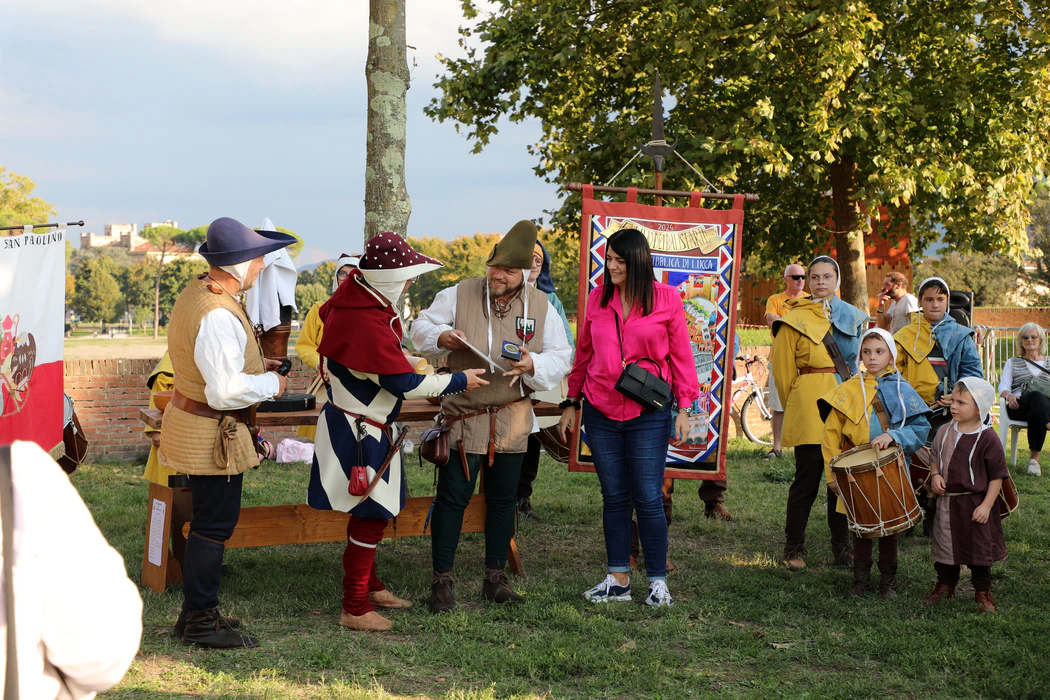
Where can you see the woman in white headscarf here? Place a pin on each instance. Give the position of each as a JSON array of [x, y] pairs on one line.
[[310, 336], [804, 371]]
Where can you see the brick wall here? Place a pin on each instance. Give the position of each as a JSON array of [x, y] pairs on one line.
[[1011, 316], [108, 395]]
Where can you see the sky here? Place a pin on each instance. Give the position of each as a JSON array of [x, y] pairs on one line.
[[146, 110]]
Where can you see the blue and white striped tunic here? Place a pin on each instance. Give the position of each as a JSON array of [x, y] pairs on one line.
[[378, 398]]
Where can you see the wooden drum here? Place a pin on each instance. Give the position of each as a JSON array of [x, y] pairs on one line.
[[876, 490]]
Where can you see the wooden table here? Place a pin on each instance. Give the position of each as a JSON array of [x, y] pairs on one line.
[[169, 509]]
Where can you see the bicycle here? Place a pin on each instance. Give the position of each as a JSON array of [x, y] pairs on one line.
[[755, 415]]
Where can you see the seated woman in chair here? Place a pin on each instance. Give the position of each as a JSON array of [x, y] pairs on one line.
[[1030, 406]]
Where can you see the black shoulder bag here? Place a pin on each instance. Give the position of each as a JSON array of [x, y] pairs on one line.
[[639, 384]]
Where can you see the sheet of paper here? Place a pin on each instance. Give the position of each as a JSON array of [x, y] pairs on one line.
[[493, 364], [156, 531]]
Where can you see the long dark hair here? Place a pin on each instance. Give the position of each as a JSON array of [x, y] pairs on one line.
[[631, 245]]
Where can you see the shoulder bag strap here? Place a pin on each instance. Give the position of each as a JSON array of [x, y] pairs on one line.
[[619, 337], [1038, 366], [7, 511], [880, 410], [836, 356]]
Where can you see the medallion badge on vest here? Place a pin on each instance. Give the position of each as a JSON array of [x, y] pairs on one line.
[[526, 328]]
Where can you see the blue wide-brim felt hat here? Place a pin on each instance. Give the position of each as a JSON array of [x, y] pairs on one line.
[[231, 242]]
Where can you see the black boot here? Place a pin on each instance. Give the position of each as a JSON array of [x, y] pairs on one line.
[[861, 568], [442, 592], [180, 624], [861, 579], [208, 630], [497, 587], [888, 547], [841, 539]]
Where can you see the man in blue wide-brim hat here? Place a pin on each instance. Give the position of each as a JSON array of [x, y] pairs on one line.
[[220, 374]]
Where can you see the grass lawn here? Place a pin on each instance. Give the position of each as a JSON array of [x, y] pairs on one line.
[[742, 625]]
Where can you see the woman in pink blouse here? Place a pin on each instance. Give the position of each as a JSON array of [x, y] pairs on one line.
[[629, 443]]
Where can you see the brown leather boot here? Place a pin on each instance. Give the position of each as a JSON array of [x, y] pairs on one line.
[[861, 579], [794, 556], [888, 548], [442, 593], [986, 600], [719, 511], [209, 630], [497, 587], [389, 601], [180, 624], [940, 590], [371, 621]]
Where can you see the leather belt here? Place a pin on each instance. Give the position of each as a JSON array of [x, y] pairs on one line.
[[492, 411], [817, 370], [196, 408], [365, 419]]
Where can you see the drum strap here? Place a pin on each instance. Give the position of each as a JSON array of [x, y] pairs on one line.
[[836, 356], [880, 412]]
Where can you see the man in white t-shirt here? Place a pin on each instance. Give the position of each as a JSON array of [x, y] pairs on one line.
[[895, 291]]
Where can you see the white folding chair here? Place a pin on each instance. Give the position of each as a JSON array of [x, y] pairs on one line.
[[1011, 427]]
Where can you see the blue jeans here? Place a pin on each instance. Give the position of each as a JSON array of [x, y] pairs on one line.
[[629, 457]]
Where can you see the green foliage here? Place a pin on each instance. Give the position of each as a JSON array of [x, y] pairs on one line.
[[97, 296], [323, 275], [935, 110], [306, 295], [464, 258], [17, 205], [992, 278], [138, 282]]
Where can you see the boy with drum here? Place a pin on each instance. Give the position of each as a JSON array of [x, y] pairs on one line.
[[876, 407]]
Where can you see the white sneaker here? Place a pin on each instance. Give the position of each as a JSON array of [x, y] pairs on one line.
[[659, 596], [1033, 467], [609, 590]]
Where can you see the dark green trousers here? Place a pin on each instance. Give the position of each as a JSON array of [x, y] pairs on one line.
[[453, 496]]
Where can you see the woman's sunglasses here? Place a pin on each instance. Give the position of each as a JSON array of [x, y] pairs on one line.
[[1029, 337]]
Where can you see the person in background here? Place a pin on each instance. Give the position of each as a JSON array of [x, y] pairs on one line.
[[902, 303], [1032, 407], [310, 336], [77, 617], [631, 318], [219, 374], [490, 426], [794, 288], [804, 371], [161, 379], [539, 277]]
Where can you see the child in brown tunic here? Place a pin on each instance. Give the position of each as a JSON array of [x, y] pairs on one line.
[[968, 468]]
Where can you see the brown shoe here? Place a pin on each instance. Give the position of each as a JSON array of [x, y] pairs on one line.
[[207, 629], [371, 621], [940, 590], [442, 593], [497, 587], [386, 599], [986, 600], [719, 511], [671, 567], [794, 557]]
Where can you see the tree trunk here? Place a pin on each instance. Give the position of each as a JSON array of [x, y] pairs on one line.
[[387, 206], [850, 229], [156, 299]]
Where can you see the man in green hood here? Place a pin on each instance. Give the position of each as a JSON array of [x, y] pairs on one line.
[[490, 426]]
